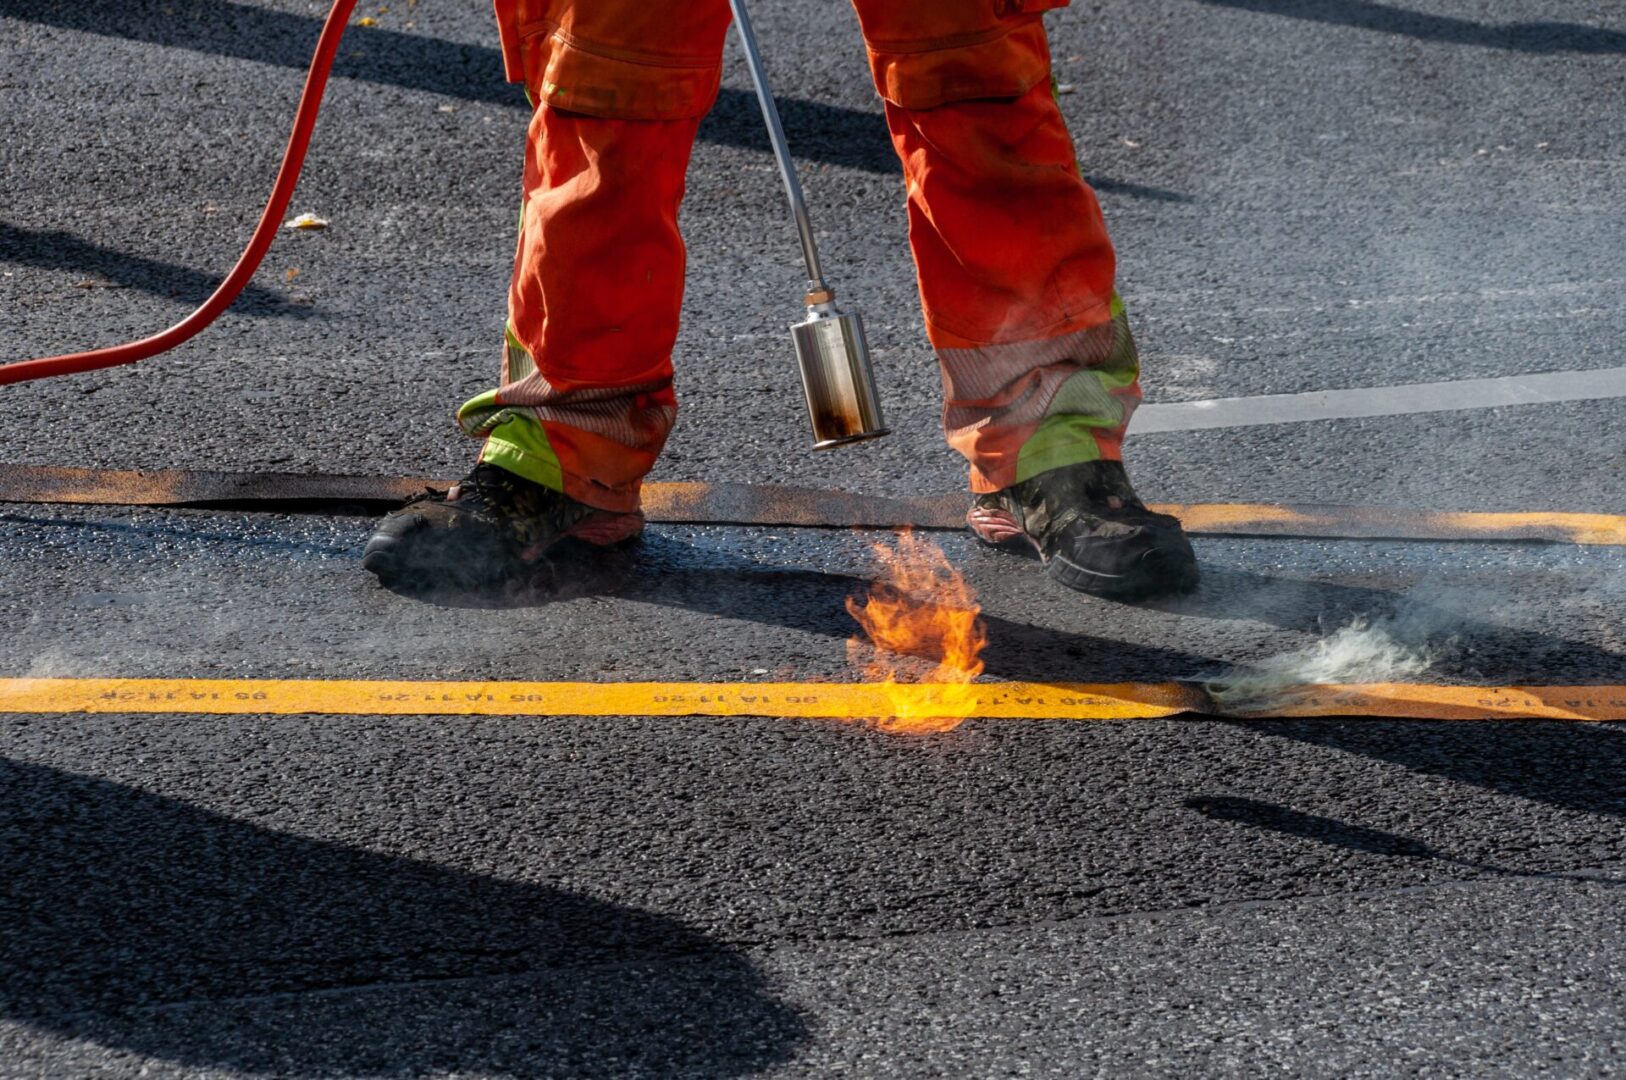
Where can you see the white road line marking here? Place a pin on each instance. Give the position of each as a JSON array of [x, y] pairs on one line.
[[1546, 388]]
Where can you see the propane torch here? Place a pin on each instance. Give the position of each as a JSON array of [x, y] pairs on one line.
[[842, 404]]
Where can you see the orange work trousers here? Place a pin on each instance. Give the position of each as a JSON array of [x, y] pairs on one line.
[[1014, 264]]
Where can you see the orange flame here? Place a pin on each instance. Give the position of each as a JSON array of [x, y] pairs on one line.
[[920, 607]]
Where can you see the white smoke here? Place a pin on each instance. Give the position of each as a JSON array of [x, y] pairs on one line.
[[53, 663], [1359, 652], [1395, 647]]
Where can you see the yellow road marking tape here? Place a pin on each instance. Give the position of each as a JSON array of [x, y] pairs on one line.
[[1580, 528], [844, 701], [1372, 522]]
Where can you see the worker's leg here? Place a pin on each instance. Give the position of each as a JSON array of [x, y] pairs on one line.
[[619, 88], [1015, 267], [1016, 276], [586, 402]]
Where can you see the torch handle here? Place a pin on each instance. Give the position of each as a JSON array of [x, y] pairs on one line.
[[781, 150]]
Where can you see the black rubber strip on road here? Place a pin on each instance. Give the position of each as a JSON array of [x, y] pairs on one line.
[[778, 505]]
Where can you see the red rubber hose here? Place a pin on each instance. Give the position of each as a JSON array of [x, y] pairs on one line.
[[327, 46]]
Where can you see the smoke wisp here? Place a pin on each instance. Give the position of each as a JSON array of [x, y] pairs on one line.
[[1395, 647]]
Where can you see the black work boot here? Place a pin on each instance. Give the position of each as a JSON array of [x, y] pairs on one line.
[[489, 527], [1091, 530]]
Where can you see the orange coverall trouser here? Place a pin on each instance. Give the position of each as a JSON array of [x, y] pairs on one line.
[[1014, 264]]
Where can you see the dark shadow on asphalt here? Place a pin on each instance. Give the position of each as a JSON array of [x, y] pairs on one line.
[[50, 249], [144, 924], [1529, 37], [830, 134], [827, 133], [1571, 765], [1138, 191], [1283, 820], [660, 570], [1323, 830]]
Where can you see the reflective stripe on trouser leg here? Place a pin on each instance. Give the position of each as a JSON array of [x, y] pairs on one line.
[[1022, 408], [1016, 278], [586, 399], [1015, 265]]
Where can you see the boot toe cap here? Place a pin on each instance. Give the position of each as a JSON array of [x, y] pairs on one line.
[[1153, 559]]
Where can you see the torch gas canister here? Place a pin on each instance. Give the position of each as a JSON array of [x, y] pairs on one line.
[[842, 403]]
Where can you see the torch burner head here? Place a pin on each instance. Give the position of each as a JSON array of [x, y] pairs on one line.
[[837, 378]]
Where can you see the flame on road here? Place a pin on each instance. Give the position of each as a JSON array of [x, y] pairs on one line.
[[921, 623]]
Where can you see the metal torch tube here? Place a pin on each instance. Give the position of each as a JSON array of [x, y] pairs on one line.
[[776, 135]]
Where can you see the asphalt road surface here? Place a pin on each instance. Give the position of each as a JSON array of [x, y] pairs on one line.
[[1326, 195]]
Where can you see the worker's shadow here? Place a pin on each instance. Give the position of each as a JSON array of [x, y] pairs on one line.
[[1576, 767], [150, 926], [664, 571]]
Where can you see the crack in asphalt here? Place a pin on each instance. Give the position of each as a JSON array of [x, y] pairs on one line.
[[1576, 876]]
